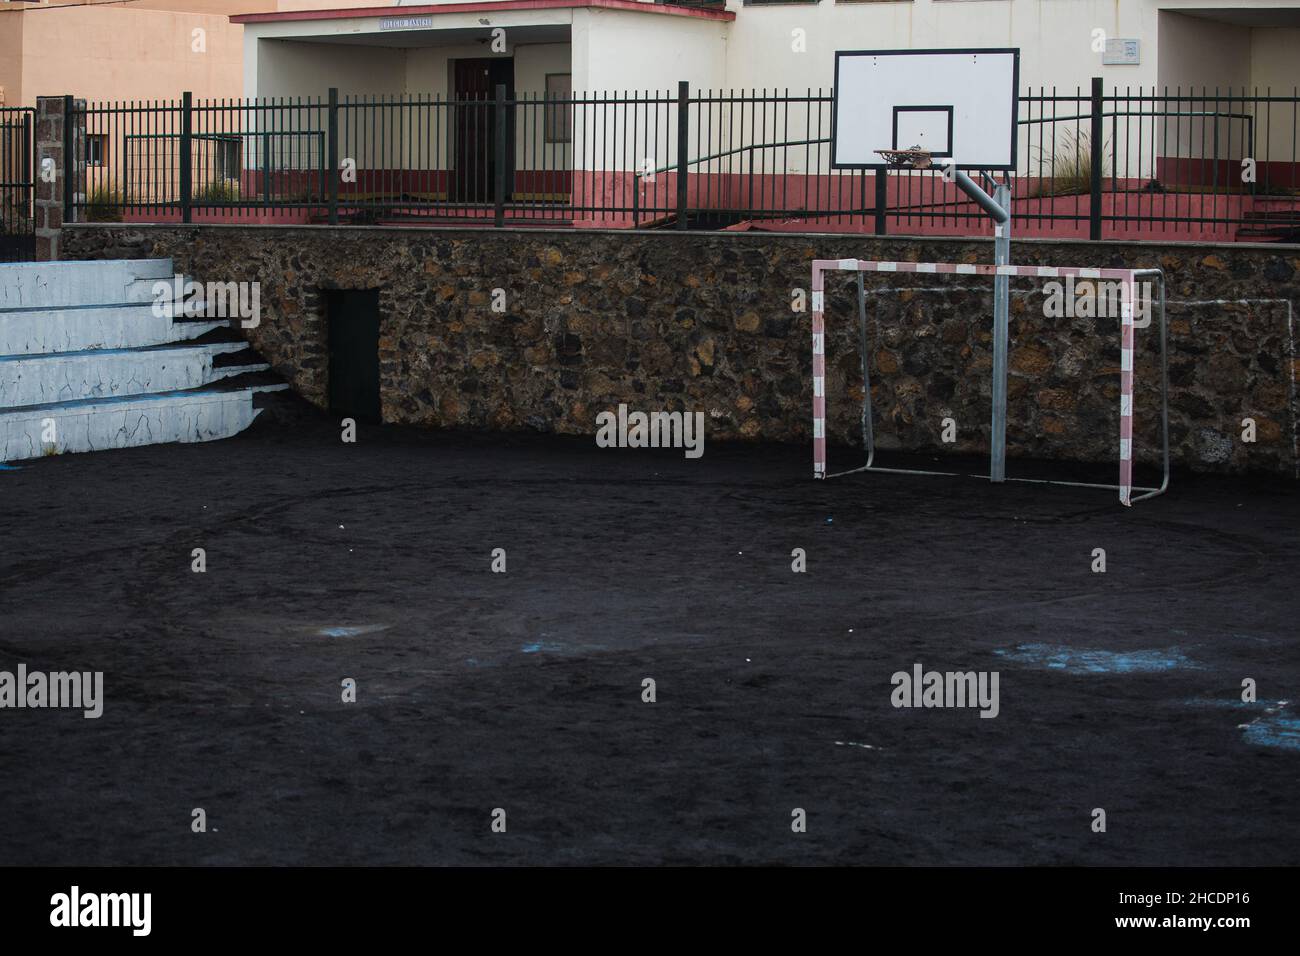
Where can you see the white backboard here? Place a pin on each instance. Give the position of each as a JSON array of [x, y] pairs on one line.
[[959, 104]]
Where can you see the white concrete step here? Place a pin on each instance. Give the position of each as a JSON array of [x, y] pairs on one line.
[[42, 331], [45, 285], [97, 424], [86, 364], [113, 373]]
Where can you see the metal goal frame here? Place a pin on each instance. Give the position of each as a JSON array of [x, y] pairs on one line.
[[1128, 279]]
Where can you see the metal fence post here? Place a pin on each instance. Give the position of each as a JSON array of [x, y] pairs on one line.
[[1095, 148], [501, 157], [187, 156], [333, 162], [882, 186], [683, 143], [69, 159]]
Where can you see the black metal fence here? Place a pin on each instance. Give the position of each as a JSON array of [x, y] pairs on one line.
[[1181, 164], [17, 172]]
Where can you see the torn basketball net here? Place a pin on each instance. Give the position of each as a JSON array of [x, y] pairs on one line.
[[916, 157]]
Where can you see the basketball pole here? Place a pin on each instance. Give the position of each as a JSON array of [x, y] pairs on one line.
[[998, 206]]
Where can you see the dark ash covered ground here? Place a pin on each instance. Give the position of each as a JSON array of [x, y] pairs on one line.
[[522, 690]]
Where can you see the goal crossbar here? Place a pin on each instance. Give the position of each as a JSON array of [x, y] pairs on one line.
[[1128, 280]]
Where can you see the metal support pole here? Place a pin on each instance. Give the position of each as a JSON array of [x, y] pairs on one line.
[[1001, 334], [998, 206], [1159, 276], [868, 433], [988, 203]]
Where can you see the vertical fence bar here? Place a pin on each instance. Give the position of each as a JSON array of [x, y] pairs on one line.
[[683, 150], [186, 157], [1095, 148], [499, 189], [263, 116], [332, 165], [69, 159]]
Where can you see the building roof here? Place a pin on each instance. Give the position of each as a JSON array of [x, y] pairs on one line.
[[483, 6]]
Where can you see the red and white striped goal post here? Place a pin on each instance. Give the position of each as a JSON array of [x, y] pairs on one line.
[[1128, 296]]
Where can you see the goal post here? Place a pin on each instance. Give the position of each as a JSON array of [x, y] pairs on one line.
[[1127, 279]]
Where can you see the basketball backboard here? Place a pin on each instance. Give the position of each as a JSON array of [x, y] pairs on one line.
[[956, 104]]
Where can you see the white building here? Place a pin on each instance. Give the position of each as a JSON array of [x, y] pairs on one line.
[[621, 45], [613, 164]]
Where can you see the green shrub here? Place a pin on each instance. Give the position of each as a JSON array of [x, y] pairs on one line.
[[1070, 169], [218, 191], [104, 205]]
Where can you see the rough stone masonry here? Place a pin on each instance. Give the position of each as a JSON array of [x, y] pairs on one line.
[[683, 321]]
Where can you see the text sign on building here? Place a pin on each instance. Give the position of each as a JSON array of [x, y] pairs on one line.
[[406, 23], [1122, 53]]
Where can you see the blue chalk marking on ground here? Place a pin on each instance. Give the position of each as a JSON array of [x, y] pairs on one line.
[[541, 647], [1230, 702], [1275, 730], [341, 631], [4, 467], [1092, 661], [549, 647]]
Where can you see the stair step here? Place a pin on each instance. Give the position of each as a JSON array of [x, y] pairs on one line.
[[205, 414], [113, 373], [86, 364], [253, 378], [44, 331], [45, 285]]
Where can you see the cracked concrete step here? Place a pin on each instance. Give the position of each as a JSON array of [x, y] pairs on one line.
[[52, 285], [205, 414], [257, 379], [44, 331], [114, 373]]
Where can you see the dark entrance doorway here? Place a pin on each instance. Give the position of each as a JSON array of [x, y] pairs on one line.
[[354, 352], [475, 166]]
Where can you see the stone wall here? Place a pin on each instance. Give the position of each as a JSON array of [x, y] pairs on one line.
[[705, 321]]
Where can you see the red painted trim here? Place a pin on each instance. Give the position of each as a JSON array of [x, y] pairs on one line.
[[483, 6]]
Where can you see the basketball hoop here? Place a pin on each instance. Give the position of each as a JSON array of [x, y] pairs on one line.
[[915, 158]]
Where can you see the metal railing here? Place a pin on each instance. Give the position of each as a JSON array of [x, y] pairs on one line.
[[17, 182], [1135, 163]]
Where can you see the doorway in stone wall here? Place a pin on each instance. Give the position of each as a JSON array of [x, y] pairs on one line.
[[353, 320]]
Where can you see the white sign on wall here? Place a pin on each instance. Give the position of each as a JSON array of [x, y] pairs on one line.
[[1122, 53], [406, 23]]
